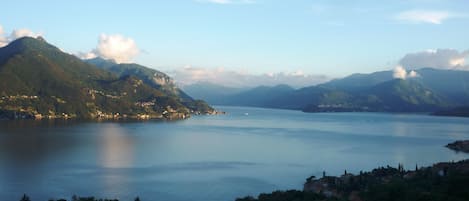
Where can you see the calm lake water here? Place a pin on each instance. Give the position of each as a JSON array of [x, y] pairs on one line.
[[212, 158]]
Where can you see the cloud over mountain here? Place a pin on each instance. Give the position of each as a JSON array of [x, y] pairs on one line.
[[190, 75], [3, 38], [439, 58], [116, 47], [15, 34], [401, 73], [18, 33]]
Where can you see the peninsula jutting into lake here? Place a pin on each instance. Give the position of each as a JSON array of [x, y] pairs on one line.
[[460, 145]]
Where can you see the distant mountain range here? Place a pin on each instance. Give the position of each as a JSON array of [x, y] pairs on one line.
[[38, 80], [433, 90], [212, 93]]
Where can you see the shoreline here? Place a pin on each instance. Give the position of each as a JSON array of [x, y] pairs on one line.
[[440, 181], [381, 183], [108, 117], [459, 146], [443, 180]]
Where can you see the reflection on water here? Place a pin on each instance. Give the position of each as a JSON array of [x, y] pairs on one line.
[[116, 151], [116, 146], [212, 158]]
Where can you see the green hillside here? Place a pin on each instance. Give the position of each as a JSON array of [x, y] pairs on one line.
[[37, 80], [153, 78]]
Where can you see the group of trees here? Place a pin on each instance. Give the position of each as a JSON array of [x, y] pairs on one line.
[[446, 183]]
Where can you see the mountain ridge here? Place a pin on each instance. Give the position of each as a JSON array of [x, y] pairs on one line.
[[433, 90], [150, 76], [38, 80]]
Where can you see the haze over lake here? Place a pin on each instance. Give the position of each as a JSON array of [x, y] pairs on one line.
[[212, 158]]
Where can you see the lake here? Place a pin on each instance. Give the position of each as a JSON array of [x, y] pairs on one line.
[[212, 158]]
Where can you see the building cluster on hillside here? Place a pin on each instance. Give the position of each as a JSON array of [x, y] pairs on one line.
[[23, 97], [93, 92], [350, 185]]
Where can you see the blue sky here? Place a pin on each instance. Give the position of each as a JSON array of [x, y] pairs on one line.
[[325, 37]]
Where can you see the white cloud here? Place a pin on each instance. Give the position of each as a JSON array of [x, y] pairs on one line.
[[190, 75], [19, 33], [298, 73], [15, 34], [86, 55], [116, 47], [119, 48], [227, 1], [400, 72], [3, 38], [457, 61], [425, 16], [439, 58]]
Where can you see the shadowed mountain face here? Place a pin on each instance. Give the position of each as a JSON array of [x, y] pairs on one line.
[[431, 91], [37, 79], [405, 95], [453, 84], [358, 82]]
